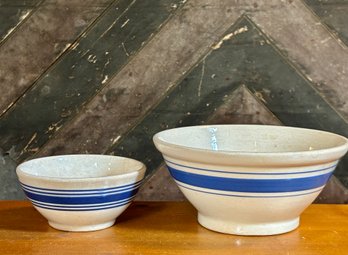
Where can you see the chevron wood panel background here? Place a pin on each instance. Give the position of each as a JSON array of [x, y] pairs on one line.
[[103, 76]]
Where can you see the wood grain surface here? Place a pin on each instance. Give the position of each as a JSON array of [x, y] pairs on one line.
[[13, 13], [169, 228], [81, 73], [246, 59], [39, 42], [102, 76]]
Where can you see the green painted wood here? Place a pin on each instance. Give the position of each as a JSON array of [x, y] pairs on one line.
[[243, 107], [334, 13], [140, 85], [243, 57], [9, 185], [12, 13], [40, 41], [34, 44], [59, 94]]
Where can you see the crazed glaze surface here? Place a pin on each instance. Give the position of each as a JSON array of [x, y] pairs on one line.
[[250, 179], [81, 192]]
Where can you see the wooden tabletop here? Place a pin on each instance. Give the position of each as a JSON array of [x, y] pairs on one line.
[[168, 228]]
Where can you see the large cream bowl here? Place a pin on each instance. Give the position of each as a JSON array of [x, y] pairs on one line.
[[250, 179], [81, 192]]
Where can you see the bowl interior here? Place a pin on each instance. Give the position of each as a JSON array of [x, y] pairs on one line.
[[80, 166], [251, 138]]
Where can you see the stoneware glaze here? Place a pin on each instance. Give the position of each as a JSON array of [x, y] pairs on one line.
[[250, 179], [81, 192]]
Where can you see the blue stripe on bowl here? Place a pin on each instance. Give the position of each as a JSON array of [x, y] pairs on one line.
[[250, 196], [250, 185], [88, 208], [82, 206], [254, 173], [74, 191], [93, 199], [115, 190]]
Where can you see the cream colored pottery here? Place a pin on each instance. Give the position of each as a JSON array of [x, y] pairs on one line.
[[81, 192], [250, 179]]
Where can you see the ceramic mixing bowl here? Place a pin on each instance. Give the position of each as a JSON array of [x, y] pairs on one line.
[[250, 179], [81, 192]]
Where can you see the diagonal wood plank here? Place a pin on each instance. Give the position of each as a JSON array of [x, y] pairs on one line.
[[13, 13], [242, 107], [314, 50], [39, 41], [244, 58], [334, 14], [102, 51], [147, 77], [108, 119], [84, 140]]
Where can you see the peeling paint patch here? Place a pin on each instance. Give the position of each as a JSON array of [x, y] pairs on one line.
[[21, 18], [74, 46], [259, 95], [9, 32], [124, 49], [201, 79], [24, 15], [116, 20], [92, 58], [114, 141], [66, 47], [106, 63], [106, 77], [229, 36], [54, 127], [325, 40], [125, 23], [25, 149]]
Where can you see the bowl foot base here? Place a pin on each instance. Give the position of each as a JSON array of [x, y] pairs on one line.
[[82, 228], [254, 229]]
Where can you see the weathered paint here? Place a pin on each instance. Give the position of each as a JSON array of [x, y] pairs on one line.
[[245, 59], [334, 14], [13, 13], [39, 41], [300, 60], [311, 47], [78, 75], [143, 82]]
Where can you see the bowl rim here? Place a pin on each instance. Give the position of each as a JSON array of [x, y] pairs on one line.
[[224, 157], [141, 169]]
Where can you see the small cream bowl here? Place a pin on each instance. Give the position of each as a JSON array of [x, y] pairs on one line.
[[250, 179], [81, 192]]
